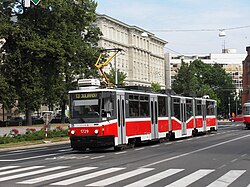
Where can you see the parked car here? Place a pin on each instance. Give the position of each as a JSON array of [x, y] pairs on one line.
[[14, 121], [236, 118]]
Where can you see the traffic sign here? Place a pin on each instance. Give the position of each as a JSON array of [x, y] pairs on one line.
[[35, 1], [27, 2], [47, 117]]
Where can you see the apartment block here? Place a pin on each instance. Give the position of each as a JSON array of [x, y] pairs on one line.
[[230, 61]]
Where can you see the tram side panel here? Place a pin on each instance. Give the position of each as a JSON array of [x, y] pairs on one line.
[[211, 112], [188, 113], [163, 119], [137, 122], [246, 114], [200, 115], [182, 116]]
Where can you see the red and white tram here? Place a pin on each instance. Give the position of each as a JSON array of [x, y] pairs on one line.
[[246, 114], [103, 118]]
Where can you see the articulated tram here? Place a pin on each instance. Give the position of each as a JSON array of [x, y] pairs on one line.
[[246, 114], [104, 117]]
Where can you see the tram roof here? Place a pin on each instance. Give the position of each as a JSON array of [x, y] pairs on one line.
[[133, 91]]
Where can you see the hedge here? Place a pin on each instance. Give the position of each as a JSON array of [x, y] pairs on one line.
[[32, 135]]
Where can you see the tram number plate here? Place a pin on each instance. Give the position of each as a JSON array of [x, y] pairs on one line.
[[84, 131]]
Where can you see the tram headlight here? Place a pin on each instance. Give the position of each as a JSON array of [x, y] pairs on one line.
[[96, 131], [73, 132]]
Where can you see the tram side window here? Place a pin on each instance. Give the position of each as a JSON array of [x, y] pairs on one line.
[[133, 108], [198, 111], [210, 108], [189, 104], [162, 106], [144, 109], [176, 108], [138, 105]]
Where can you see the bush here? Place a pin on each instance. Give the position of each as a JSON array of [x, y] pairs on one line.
[[31, 135]]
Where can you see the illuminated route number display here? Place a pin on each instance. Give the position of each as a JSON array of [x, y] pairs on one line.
[[77, 96]]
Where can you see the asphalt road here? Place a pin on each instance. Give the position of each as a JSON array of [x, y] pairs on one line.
[[218, 159]]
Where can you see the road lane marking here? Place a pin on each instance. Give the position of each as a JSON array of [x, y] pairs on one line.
[[120, 177], [66, 157], [121, 152], [57, 175], [86, 177], [155, 146], [64, 150], [195, 151], [168, 143], [31, 173], [28, 158], [27, 150], [234, 160], [19, 170], [139, 149], [224, 165], [97, 157], [227, 179], [189, 179], [152, 179], [8, 167]]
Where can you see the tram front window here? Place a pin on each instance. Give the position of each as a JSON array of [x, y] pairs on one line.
[[86, 110]]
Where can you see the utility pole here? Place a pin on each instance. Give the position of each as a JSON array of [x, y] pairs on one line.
[[116, 74]]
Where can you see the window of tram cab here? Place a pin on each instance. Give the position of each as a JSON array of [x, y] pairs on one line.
[[210, 108], [107, 106], [162, 106]]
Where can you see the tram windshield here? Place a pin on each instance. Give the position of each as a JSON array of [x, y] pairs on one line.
[[91, 107]]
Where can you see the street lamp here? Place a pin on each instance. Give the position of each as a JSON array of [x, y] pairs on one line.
[[222, 34], [229, 109]]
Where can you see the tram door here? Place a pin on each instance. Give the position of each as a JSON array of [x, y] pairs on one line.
[[154, 116], [183, 116], [204, 114], [121, 118]]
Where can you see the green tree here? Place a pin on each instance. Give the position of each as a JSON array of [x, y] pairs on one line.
[[155, 86], [121, 76], [203, 79], [48, 46]]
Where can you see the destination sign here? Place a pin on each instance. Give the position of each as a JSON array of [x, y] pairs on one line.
[[85, 96]]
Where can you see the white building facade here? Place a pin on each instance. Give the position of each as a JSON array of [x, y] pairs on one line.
[[231, 62], [143, 57]]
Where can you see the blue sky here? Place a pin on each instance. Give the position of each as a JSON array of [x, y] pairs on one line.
[[164, 17]]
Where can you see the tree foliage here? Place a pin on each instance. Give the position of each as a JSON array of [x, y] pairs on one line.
[[155, 86], [121, 76], [47, 46], [204, 79]]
